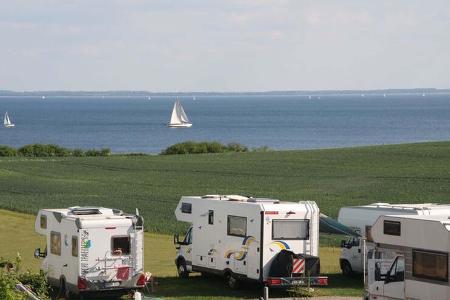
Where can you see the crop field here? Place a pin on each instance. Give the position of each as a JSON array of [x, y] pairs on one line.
[[18, 236], [154, 184]]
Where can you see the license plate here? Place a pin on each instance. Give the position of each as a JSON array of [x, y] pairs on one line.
[[112, 284], [297, 282]]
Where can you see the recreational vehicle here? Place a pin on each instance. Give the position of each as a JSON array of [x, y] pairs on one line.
[[361, 219], [418, 269], [91, 249], [264, 240]]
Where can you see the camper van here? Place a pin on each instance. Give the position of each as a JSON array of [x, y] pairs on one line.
[[361, 219], [419, 267], [91, 249], [242, 238]]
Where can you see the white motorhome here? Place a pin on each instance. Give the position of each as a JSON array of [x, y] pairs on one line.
[[361, 219], [91, 249], [264, 240], [419, 268]]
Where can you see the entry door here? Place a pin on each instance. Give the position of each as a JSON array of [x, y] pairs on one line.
[[394, 288]]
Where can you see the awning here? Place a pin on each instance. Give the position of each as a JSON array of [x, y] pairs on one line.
[[330, 225]]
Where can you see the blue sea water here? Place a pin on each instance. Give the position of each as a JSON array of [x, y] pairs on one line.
[[136, 124]]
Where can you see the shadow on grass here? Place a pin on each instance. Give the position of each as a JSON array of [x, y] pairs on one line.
[[212, 287]]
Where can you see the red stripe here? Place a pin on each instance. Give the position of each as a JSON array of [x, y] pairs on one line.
[[298, 266]]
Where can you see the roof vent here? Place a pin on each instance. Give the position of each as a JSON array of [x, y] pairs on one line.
[[81, 211], [237, 198]]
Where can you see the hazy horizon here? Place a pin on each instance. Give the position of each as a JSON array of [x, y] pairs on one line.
[[223, 46]]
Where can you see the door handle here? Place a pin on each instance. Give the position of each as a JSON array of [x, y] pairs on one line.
[[65, 265]]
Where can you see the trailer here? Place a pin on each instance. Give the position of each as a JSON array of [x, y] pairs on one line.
[[91, 250], [419, 265], [361, 219], [250, 239]]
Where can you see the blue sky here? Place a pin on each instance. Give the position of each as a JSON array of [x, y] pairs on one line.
[[232, 45]]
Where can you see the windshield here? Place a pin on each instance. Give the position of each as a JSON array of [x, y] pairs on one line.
[[290, 229]]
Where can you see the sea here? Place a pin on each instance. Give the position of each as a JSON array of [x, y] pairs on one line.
[[139, 124]]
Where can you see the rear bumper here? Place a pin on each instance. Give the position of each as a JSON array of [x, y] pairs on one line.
[[296, 281], [114, 286]]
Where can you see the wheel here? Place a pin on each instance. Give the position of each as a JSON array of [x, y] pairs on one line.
[[231, 281], [182, 269], [347, 268], [63, 291]]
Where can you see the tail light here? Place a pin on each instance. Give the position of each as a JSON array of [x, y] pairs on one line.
[[273, 281], [82, 283], [323, 281], [142, 280]]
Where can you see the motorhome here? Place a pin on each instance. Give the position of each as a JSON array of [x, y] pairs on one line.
[[419, 267], [242, 238], [91, 249], [361, 219]]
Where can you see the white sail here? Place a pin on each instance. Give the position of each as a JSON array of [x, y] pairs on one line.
[[184, 118], [179, 117], [7, 121]]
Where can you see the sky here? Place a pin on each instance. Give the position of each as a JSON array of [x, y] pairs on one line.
[[228, 45]]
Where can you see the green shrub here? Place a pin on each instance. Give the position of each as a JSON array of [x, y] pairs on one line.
[[7, 151], [191, 147], [105, 152], [43, 150], [101, 152], [78, 152]]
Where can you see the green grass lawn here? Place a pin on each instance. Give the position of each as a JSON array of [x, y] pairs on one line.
[[18, 236], [332, 177]]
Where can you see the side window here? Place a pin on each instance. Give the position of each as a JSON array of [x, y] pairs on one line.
[[74, 246], [43, 222], [237, 226], [430, 265], [397, 271], [211, 217], [392, 228], [120, 245], [186, 208], [188, 237], [55, 243]]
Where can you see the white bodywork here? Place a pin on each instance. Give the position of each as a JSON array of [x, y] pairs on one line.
[[210, 248], [361, 219], [94, 245], [419, 268]]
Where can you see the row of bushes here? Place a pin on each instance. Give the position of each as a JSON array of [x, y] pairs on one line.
[[191, 147], [50, 150]]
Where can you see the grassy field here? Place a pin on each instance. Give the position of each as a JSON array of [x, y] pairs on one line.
[[18, 236], [333, 178]]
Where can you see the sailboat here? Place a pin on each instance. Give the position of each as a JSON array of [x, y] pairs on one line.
[[7, 122], [179, 117]]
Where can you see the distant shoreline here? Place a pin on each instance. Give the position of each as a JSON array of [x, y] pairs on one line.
[[9, 93]]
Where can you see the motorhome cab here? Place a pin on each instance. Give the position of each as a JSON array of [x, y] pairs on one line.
[[91, 249], [419, 268], [265, 240], [361, 219]]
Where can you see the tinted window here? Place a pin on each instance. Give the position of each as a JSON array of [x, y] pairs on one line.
[[430, 265], [120, 245], [55, 243], [237, 226], [392, 228], [211, 217], [290, 229], [186, 208], [43, 221], [74, 246]]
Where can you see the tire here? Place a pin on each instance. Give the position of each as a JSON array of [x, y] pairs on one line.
[[346, 268], [63, 292], [231, 281], [182, 269]]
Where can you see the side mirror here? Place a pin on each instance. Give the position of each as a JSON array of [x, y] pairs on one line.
[[38, 253]]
